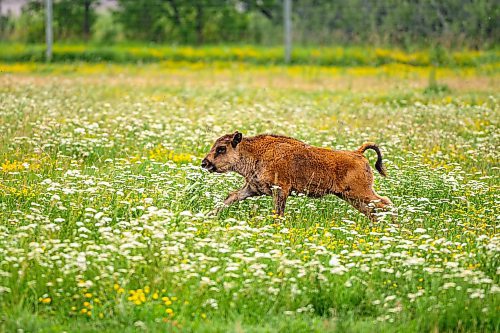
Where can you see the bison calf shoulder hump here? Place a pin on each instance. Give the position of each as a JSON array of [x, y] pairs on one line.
[[277, 165]]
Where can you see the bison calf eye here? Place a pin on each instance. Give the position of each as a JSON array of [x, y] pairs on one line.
[[220, 150]]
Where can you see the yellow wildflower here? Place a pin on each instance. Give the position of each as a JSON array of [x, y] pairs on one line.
[[46, 300]]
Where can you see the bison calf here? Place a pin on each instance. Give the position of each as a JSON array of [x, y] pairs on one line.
[[277, 165]]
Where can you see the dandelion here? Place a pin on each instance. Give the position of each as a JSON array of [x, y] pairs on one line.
[[46, 300]]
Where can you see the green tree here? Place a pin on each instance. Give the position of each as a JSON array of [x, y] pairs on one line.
[[72, 19], [183, 21]]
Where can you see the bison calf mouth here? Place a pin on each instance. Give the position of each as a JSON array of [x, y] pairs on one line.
[[205, 164]]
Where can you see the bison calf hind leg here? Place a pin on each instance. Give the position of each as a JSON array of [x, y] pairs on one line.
[[368, 205]]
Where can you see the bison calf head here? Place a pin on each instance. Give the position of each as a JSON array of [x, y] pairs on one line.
[[224, 153]]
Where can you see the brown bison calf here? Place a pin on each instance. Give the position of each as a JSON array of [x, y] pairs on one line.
[[277, 165]]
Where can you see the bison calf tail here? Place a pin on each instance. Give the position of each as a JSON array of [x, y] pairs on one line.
[[378, 165]]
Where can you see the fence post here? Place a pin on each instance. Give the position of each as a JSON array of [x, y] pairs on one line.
[[287, 22], [48, 30]]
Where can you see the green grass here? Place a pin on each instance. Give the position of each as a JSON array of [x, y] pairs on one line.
[[325, 56], [103, 204]]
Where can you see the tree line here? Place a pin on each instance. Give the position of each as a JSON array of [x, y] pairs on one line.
[[403, 23]]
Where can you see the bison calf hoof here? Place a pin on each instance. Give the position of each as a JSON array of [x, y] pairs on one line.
[[215, 211]]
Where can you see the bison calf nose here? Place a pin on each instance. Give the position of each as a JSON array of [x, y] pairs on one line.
[[207, 165]]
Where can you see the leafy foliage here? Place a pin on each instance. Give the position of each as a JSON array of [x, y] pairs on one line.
[[405, 23]]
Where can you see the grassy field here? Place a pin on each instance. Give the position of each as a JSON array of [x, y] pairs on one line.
[[330, 56], [103, 205]]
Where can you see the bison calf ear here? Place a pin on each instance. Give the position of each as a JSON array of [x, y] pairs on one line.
[[236, 139]]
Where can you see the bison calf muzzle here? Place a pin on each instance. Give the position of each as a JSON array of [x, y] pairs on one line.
[[277, 165]]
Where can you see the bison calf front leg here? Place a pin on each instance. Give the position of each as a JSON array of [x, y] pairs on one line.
[[235, 196]]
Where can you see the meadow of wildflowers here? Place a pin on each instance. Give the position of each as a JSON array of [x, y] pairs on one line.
[[336, 56], [103, 204]]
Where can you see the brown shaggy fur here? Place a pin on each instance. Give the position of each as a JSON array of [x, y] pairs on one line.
[[277, 165]]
